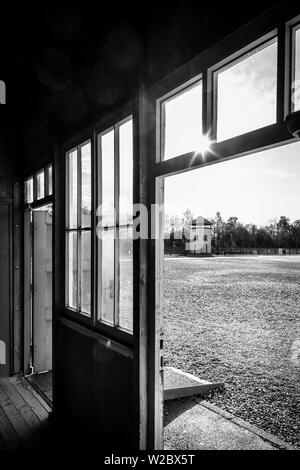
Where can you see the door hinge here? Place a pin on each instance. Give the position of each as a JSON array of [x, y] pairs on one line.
[[161, 346]]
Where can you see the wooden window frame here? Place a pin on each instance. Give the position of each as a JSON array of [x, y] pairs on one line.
[[47, 180], [227, 63], [78, 229], [160, 113], [251, 142], [124, 332], [26, 180], [90, 133], [35, 185], [292, 26], [116, 333], [48, 198]]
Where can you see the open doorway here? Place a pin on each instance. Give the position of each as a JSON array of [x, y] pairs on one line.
[[231, 300], [38, 298]]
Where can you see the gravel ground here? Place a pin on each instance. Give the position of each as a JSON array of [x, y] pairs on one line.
[[237, 319]]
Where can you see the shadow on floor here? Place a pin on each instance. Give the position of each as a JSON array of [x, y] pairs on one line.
[[174, 408]]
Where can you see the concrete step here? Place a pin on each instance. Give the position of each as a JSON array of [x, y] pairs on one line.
[[179, 384]]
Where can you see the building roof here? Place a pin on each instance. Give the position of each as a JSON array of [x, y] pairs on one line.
[[201, 221]]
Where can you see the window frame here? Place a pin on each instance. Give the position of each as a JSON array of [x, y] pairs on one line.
[[115, 128], [254, 141], [35, 185], [48, 198], [26, 180], [77, 229], [292, 26], [123, 115], [160, 114], [228, 62], [47, 179]]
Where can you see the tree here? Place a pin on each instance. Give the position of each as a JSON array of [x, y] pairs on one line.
[[230, 232], [187, 219], [295, 233], [263, 238], [242, 237], [284, 232], [217, 232]]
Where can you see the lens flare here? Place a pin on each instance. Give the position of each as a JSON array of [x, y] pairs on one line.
[[204, 144]]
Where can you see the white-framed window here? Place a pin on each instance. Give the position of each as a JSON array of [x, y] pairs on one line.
[[78, 229], [245, 90], [114, 226], [28, 190], [49, 180], [39, 185], [296, 68], [181, 121]]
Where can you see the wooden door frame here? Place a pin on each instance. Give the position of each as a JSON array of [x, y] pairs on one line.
[[27, 293], [42, 228], [27, 277], [157, 169]]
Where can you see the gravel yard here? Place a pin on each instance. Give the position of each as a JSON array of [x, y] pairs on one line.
[[237, 319]]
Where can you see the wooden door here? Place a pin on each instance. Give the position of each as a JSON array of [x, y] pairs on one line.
[[42, 291]]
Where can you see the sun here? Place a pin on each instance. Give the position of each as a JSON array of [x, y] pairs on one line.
[[204, 144]]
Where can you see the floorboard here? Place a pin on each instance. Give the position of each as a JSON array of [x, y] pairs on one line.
[[21, 405], [8, 435], [24, 418], [43, 383], [32, 398], [13, 415]]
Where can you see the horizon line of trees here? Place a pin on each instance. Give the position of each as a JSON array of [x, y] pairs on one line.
[[233, 234]]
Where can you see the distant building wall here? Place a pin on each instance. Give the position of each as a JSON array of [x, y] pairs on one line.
[[200, 237]]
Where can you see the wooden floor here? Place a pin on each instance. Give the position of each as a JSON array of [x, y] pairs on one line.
[[43, 383], [24, 416]]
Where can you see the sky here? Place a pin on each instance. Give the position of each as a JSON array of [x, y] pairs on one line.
[[247, 93], [256, 188]]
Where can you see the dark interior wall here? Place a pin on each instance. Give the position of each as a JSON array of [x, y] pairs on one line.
[[6, 200], [84, 65], [67, 65], [6, 161], [179, 31], [94, 391]]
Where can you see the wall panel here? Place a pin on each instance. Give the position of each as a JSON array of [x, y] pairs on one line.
[[5, 300], [94, 390]]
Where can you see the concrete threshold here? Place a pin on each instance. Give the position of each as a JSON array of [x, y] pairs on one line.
[[179, 384], [195, 424]]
